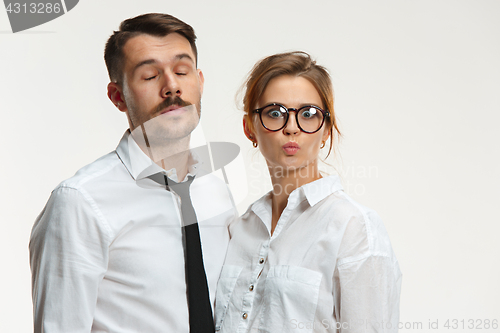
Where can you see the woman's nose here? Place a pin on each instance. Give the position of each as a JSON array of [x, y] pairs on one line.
[[291, 126]]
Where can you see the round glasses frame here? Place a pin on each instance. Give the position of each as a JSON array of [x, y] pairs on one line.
[[326, 114]]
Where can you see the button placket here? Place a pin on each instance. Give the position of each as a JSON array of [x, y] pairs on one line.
[[249, 296], [260, 261]]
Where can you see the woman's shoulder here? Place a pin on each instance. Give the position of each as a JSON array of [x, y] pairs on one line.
[[343, 207], [363, 231]]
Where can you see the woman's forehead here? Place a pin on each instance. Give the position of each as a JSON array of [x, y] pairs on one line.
[[291, 91]]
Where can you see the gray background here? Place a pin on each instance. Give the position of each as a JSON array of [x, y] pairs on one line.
[[417, 93]]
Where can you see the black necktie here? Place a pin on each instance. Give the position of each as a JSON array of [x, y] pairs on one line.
[[200, 310]]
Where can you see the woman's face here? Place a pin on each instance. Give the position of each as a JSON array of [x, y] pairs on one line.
[[278, 147]]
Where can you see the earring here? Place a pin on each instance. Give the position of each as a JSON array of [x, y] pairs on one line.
[[254, 143], [322, 145]]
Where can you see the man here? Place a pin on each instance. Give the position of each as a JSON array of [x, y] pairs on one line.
[[110, 251]]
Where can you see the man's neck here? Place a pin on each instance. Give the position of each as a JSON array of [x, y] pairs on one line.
[[170, 154], [179, 162]]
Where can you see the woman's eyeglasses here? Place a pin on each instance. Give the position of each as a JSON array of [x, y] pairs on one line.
[[274, 117]]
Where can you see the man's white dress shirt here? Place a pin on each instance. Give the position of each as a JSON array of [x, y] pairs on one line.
[[106, 252], [328, 267]]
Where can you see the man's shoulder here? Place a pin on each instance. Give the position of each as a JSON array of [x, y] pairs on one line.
[[98, 171], [72, 204]]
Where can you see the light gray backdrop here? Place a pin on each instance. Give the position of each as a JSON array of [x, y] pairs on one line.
[[417, 93]]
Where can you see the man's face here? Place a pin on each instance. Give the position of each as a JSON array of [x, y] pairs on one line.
[[160, 78]]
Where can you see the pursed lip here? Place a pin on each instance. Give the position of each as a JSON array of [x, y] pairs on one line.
[[170, 108], [292, 145], [291, 148]]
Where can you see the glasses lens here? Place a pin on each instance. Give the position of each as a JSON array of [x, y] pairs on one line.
[[310, 118], [273, 117]]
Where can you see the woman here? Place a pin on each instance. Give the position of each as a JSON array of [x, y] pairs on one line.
[[305, 257]]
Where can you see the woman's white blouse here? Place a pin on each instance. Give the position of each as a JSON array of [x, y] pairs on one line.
[[328, 267]]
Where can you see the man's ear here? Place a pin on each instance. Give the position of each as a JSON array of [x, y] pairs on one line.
[[115, 95], [248, 132], [202, 80]]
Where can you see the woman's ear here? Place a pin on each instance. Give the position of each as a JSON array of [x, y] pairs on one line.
[[248, 132], [326, 135]]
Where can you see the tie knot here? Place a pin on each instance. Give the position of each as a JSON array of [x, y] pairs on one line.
[[182, 189]]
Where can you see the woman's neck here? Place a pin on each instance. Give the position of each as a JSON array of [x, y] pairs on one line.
[[285, 181]]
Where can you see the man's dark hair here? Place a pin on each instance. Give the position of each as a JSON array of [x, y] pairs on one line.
[[153, 24]]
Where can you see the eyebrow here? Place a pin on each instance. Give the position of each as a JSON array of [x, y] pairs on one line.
[[153, 61], [301, 105]]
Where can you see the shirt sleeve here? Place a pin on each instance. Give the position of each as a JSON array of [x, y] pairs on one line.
[[368, 277], [369, 295], [68, 258]]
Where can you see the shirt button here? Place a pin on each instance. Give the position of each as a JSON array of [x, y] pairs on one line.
[[251, 287], [261, 260], [245, 316]]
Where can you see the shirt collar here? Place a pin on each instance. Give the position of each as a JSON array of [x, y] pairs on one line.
[[132, 156], [319, 189], [313, 192], [140, 166]]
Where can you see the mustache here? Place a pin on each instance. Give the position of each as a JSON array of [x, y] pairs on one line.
[[171, 101]]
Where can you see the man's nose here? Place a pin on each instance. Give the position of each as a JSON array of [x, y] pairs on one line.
[[170, 86]]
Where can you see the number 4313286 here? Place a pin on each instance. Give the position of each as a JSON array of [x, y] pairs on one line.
[[478, 324], [33, 8]]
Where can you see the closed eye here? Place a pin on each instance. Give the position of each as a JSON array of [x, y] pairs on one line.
[[150, 78], [181, 73]]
